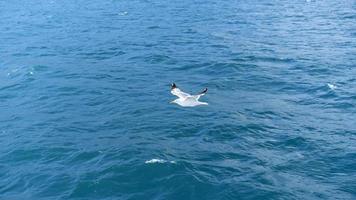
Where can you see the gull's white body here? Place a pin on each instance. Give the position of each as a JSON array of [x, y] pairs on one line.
[[185, 99]]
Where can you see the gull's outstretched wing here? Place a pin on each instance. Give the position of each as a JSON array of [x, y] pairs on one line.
[[200, 94], [177, 92]]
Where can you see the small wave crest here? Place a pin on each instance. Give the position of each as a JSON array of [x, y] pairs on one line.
[[332, 86], [156, 160]]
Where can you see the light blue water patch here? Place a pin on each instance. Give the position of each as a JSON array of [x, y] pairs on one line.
[[85, 112]]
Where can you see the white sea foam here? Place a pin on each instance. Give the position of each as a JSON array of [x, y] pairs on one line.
[[156, 160], [331, 86], [123, 13]]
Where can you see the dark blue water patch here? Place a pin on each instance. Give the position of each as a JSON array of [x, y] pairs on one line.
[[101, 55], [349, 16], [292, 143], [155, 59]]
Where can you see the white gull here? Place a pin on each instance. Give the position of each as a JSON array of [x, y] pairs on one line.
[[185, 99]]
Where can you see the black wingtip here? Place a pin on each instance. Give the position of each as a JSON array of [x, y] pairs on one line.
[[204, 91], [173, 86]]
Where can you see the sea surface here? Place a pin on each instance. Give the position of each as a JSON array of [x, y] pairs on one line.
[[85, 92]]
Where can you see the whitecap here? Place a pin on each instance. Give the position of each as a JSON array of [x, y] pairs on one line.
[[156, 160], [123, 13], [331, 86]]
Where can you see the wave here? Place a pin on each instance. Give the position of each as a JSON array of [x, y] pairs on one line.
[[156, 160]]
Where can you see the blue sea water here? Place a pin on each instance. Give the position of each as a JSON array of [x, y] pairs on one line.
[[84, 99]]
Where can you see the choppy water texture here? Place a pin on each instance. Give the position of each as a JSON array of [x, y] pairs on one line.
[[85, 113]]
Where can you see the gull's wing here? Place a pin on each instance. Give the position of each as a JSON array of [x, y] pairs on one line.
[[177, 92], [200, 94]]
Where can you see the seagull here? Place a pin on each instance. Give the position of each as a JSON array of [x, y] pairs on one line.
[[185, 99]]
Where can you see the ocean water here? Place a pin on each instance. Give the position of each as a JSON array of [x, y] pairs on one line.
[[85, 112]]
